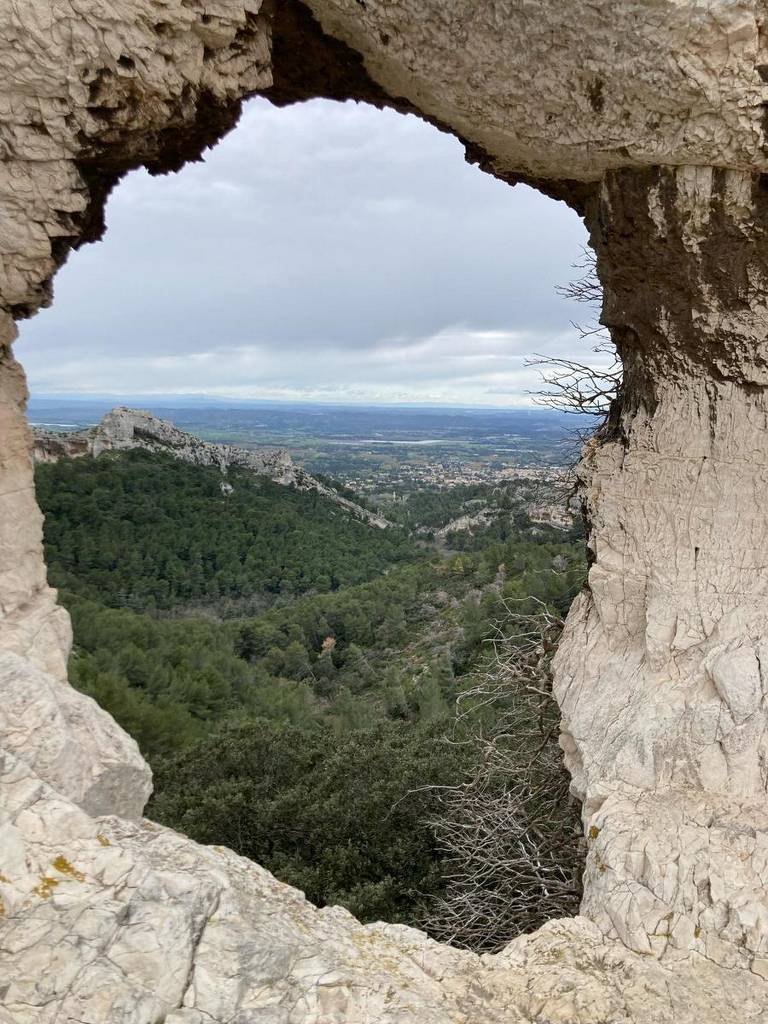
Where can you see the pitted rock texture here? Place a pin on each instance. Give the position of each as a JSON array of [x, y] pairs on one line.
[[568, 91], [649, 118], [125, 428]]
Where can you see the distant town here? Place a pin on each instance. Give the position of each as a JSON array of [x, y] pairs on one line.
[[443, 474]]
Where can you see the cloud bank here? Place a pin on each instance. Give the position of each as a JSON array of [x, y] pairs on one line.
[[326, 252]]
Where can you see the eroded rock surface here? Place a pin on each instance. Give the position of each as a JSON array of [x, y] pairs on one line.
[[66, 738], [662, 675], [568, 91], [649, 118], [31, 623], [106, 920]]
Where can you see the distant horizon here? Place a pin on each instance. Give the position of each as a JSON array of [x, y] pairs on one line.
[[191, 400]]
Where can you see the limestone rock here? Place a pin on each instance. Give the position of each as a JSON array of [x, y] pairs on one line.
[[129, 923], [68, 741], [39, 631], [468, 522], [554, 91], [648, 117], [32, 625], [51, 445]]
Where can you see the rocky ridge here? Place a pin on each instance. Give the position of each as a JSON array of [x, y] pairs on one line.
[[482, 518], [123, 429]]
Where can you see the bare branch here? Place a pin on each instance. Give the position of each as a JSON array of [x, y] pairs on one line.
[[574, 387], [582, 387], [585, 288], [511, 832]]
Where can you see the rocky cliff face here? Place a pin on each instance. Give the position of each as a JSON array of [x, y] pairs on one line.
[[125, 428], [649, 118]]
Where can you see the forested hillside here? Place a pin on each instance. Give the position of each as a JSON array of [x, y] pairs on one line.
[[146, 531], [308, 732]]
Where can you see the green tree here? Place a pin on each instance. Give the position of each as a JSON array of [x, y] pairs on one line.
[[341, 818]]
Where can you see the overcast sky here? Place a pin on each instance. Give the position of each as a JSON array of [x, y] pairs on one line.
[[325, 252]]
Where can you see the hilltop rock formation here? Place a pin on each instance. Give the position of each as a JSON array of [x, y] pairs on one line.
[[125, 428], [649, 119]]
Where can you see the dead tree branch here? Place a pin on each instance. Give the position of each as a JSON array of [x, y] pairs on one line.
[[511, 833], [587, 388], [581, 387]]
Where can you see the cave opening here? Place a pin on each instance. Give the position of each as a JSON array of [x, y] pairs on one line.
[[332, 254], [312, 237], [650, 121]]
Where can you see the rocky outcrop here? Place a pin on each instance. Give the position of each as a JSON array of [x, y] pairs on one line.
[[661, 675], [480, 519], [617, 85], [66, 739], [107, 920], [125, 428], [31, 623], [50, 445], [649, 118]]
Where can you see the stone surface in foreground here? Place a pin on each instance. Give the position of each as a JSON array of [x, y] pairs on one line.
[[106, 920], [661, 676]]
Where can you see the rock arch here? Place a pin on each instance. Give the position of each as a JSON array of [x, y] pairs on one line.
[[647, 117]]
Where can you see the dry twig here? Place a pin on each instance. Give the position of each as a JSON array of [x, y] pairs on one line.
[[579, 387], [511, 832]]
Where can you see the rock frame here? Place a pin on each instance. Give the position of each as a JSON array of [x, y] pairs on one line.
[[648, 117]]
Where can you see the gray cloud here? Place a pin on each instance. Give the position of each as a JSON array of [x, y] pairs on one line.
[[324, 250]]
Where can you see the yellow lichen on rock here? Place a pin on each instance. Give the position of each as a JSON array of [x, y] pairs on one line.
[[62, 865], [45, 887]]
